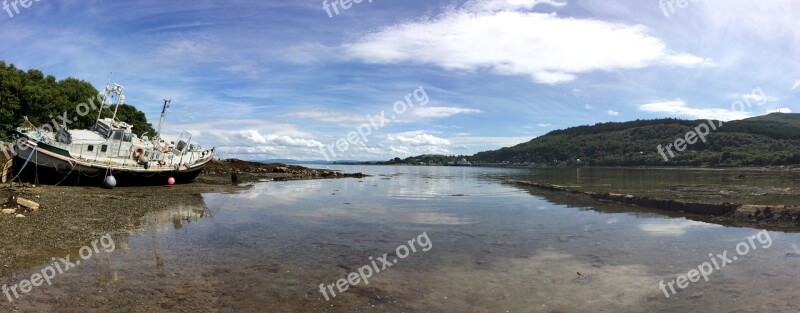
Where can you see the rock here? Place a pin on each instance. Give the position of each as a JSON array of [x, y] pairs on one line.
[[9, 211], [27, 203], [20, 216], [696, 295]]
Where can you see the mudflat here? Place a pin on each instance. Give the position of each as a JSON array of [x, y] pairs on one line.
[[72, 216]]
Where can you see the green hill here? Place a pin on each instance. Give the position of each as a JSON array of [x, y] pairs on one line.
[[772, 139]]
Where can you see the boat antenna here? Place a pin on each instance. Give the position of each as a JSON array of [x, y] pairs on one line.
[[120, 99], [163, 114], [109, 78]]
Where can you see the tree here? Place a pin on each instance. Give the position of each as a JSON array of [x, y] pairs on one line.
[[43, 99]]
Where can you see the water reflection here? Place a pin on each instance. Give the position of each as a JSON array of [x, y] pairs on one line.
[[190, 209], [672, 227], [496, 248]]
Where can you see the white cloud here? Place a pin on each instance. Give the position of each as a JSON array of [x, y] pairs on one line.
[[758, 99], [679, 107], [613, 113], [489, 142], [255, 137], [487, 35], [264, 150], [309, 53], [588, 106], [442, 111], [329, 117], [510, 5], [409, 151], [768, 20], [188, 50], [402, 150], [796, 84], [687, 60], [418, 139], [249, 70], [544, 125], [779, 110]]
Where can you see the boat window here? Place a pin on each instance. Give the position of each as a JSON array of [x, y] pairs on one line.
[[90, 148], [117, 135], [101, 129], [127, 138], [103, 148]]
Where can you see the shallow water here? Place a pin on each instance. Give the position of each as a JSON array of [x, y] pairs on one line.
[[494, 248]]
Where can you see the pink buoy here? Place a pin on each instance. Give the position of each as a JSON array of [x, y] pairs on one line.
[[171, 181]]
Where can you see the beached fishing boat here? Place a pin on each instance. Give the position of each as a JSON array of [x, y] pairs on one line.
[[110, 148]]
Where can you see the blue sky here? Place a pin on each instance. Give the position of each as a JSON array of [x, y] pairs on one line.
[[281, 79]]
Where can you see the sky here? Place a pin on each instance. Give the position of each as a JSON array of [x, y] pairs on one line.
[[378, 79]]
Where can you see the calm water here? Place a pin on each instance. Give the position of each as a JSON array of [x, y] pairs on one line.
[[494, 247]]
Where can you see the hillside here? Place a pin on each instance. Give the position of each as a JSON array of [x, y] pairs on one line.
[[772, 139]]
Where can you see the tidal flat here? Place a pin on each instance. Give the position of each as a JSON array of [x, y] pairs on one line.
[[266, 246]]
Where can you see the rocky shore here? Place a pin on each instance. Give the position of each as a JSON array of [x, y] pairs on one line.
[[245, 171], [774, 217]]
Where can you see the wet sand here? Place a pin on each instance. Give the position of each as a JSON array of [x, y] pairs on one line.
[[72, 216]]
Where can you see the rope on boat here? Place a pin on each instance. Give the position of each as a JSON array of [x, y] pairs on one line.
[[65, 176], [25, 164], [36, 164]]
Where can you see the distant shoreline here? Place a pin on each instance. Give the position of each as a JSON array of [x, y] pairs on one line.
[[720, 168]]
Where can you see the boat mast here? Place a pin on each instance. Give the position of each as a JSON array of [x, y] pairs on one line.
[[163, 114], [120, 99], [116, 89], [106, 93]]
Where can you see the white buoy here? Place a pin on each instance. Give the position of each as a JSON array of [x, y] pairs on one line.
[[110, 182]]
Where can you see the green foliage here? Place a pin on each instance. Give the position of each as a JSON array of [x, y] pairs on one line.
[[773, 139], [43, 98]]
